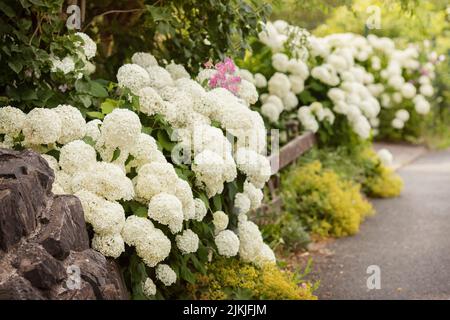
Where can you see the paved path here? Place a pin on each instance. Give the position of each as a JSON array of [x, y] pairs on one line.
[[409, 239]]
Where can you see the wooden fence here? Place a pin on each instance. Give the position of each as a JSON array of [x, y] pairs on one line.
[[288, 154]]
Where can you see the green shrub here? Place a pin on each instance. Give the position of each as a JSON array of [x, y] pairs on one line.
[[234, 279], [327, 204]]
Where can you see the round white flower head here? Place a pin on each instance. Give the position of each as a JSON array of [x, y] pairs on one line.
[[265, 256], [150, 102], [299, 68], [42, 126], [144, 59], [242, 203], [227, 243], [421, 105], [408, 90], [110, 245], [145, 151], [12, 121], [426, 90], [250, 239], [200, 209], [254, 194], [208, 167], [361, 127], [187, 242], [148, 288], [280, 62], [167, 210], [177, 71], [159, 77], [165, 274], [246, 75], [90, 202], [52, 162], [77, 156], [402, 114], [121, 128], [73, 125], [255, 166], [93, 129], [297, 84], [154, 178], [260, 80], [106, 218], [385, 156], [397, 123], [106, 180], [183, 192], [66, 65], [64, 181], [290, 101], [271, 111], [132, 76], [279, 84], [247, 92], [89, 46], [220, 221], [151, 243]]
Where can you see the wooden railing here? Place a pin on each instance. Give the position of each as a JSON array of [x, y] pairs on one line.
[[288, 154]]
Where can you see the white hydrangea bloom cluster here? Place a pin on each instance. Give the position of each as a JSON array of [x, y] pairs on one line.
[[404, 79], [187, 241], [165, 274]]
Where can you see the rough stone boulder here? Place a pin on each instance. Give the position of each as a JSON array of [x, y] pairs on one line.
[[44, 244]]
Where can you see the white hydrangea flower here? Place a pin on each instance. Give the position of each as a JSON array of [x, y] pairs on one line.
[[144, 59], [93, 129], [42, 126], [246, 75], [260, 80], [154, 178], [52, 162], [106, 180], [183, 192], [177, 71], [408, 90], [279, 84], [227, 243], [397, 123], [150, 102], [255, 166], [110, 245], [73, 125], [66, 65], [254, 194], [149, 288], [265, 256], [121, 129], [220, 221], [187, 242], [402, 114], [106, 218], [12, 121], [132, 76], [208, 167], [385, 156], [297, 84], [159, 77], [298, 67], [426, 90], [247, 91], [151, 243], [145, 151], [242, 203], [200, 209], [270, 111], [280, 62], [77, 156], [89, 46], [165, 274], [290, 101], [250, 239], [57, 189], [421, 105], [167, 210]]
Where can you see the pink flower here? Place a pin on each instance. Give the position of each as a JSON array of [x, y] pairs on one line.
[[225, 77]]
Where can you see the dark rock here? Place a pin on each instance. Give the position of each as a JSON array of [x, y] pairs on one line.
[[66, 230], [45, 246], [38, 267], [25, 186]]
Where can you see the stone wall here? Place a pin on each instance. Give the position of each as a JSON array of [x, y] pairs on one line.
[[44, 244]]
